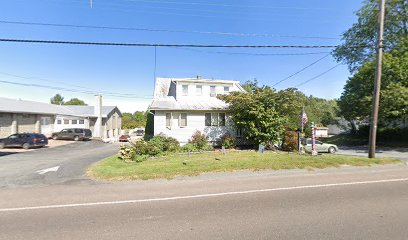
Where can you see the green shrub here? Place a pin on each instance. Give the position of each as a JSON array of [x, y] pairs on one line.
[[165, 143], [189, 147], [127, 152], [290, 141], [228, 141], [199, 140]]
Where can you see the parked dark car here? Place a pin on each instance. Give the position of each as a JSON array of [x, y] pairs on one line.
[[24, 140], [140, 132], [75, 134], [124, 138]]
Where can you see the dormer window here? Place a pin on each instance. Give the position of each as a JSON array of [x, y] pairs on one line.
[[199, 90], [226, 89], [212, 91], [185, 90]]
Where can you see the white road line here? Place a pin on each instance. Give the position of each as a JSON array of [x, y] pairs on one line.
[[53, 169], [200, 195]]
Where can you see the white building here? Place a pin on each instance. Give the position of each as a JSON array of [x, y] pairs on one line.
[[19, 116], [182, 106]]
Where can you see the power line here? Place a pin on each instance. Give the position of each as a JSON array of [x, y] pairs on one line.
[[70, 85], [225, 5], [254, 54], [65, 89], [301, 70], [321, 74], [164, 30], [166, 45]]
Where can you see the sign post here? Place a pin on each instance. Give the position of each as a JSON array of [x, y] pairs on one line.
[[314, 152]]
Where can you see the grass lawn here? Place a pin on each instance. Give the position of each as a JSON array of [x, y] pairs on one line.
[[179, 165]]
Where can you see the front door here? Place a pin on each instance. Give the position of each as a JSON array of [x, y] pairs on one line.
[[46, 127]]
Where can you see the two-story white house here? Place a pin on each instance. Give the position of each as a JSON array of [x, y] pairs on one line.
[[182, 106]]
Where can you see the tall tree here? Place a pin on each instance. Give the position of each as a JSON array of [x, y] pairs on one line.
[[356, 99], [57, 99], [75, 101], [364, 32]]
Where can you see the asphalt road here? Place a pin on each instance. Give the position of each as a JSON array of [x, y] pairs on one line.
[[71, 161], [350, 203]]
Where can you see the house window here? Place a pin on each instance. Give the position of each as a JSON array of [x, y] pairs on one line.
[[59, 121], [168, 120], [208, 119], [66, 121], [226, 89], [212, 91], [199, 90], [183, 120], [74, 122], [81, 121], [215, 119], [185, 90], [221, 119], [239, 132]]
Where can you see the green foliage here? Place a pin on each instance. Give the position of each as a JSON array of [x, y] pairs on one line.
[[165, 144], [57, 99], [228, 141], [259, 114], [75, 101], [149, 130], [290, 141], [141, 150], [356, 99], [364, 32], [127, 153], [199, 140], [135, 120]]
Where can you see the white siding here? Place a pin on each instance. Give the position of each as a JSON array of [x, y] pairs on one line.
[[219, 89], [195, 121], [59, 127]]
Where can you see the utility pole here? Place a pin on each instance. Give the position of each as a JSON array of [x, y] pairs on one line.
[[91, 3], [377, 84]]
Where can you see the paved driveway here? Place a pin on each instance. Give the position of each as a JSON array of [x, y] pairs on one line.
[[399, 153], [60, 165]]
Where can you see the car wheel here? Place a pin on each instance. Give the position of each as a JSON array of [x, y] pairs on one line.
[[26, 146], [2, 145], [332, 150], [76, 138], [55, 137]]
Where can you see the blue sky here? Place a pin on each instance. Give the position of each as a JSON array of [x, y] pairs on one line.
[[130, 70]]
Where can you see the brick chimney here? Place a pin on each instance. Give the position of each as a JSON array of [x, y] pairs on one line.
[[98, 113]]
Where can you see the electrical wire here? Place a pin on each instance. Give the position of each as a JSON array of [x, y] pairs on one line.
[[225, 5], [321, 74], [69, 85], [67, 89], [164, 30], [166, 45], [301, 70], [253, 54]]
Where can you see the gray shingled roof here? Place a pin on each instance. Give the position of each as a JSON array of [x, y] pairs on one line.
[[170, 103], [23, 106], [89, 111]]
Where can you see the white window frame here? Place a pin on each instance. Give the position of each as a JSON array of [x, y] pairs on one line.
[[171, 120], [180, 120], [215, 116], [81, 120], [226, 87], [213, 94], [184, 89], [199, 90], [74, 121]]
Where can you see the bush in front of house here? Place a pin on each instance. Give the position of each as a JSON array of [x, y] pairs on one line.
[[127, 153], [141, 150], [290, 141], [165, 143], [199, 139], [228, 141]]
